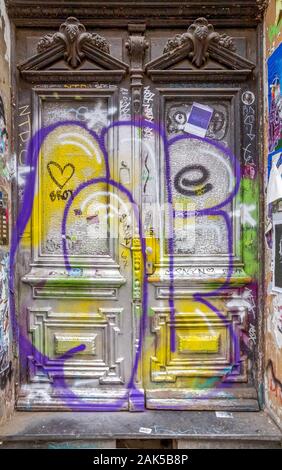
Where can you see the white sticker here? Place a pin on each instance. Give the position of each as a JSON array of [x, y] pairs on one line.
[[145, 430], [248, 98], [223, 414]]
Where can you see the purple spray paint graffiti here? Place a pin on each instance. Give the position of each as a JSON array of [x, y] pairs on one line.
[[35, 144]]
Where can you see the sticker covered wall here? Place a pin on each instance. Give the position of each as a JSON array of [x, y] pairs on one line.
[[6, 374], [273, 222], [4, 318], [4, 245]]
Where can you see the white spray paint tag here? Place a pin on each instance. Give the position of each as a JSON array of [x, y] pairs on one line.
[[223, 414], [145, 430]]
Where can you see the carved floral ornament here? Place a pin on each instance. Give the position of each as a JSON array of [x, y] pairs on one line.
[[72, 35], [199, 36], [262, 5]]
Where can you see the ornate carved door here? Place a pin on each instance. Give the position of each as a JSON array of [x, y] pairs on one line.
[[136, 229], [199, 347]]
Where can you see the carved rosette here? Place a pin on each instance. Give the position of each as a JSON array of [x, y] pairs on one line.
[[199, 36], [72, 36]]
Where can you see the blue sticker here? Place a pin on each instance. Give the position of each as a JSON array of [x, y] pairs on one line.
[[198, 120]]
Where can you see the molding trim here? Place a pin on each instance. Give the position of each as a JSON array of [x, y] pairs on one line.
[[100, 12]]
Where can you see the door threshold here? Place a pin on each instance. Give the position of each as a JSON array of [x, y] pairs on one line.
[[43, 429]]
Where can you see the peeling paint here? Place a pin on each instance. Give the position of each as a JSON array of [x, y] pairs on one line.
[[6, 30]]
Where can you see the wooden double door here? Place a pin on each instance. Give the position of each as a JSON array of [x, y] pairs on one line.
[[137, 264]]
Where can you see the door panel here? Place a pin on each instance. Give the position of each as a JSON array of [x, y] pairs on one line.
[[78, 284], [197, 353]]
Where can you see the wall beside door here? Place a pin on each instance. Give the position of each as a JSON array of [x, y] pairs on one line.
[[273, 208], [6, 370]]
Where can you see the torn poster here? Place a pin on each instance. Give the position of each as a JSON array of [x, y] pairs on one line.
[[274, 188], [198, 119], [269, 161], [277, 252], [274, 69]]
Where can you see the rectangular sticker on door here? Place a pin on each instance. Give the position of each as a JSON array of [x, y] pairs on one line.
[[198, 120]]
